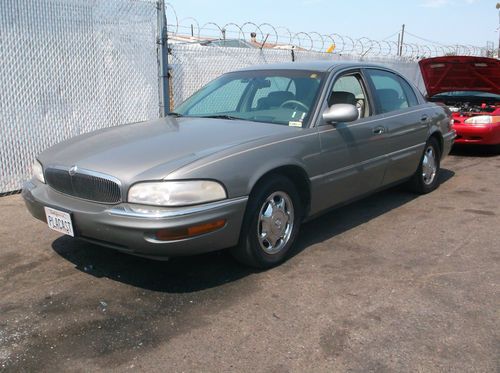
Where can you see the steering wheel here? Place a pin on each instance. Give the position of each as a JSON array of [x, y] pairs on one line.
[[295, 104]]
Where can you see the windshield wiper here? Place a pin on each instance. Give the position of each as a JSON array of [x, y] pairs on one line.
[[174, 114], [220, 116]]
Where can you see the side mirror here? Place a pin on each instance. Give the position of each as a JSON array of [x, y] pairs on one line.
[[341, 113]]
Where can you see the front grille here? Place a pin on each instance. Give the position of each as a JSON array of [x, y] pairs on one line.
[[82, 185]]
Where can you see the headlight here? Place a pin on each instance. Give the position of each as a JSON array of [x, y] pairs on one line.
[[176, 193], [38, 171], [482, 119]]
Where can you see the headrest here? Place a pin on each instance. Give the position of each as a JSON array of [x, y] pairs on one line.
[[281, 96]]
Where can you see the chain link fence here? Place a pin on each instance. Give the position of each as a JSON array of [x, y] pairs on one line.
[[194, 65], [68, 67], [412, 47]]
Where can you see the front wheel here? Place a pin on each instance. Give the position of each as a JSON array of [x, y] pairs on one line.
[[271, 223], [426, 179]]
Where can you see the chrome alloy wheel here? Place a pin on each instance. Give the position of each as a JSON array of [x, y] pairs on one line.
[[275, 224], [429, 165]]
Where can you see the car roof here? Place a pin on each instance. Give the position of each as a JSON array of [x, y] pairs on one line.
[[321, 66]]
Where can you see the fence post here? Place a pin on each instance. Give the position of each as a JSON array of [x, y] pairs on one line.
[[164, 97]]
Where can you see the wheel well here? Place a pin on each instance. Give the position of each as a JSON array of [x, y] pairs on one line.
[[440, 140], [299, 178]]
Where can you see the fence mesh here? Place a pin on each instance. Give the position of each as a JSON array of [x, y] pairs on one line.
[[72, 66], [193, 65], [69, 67]]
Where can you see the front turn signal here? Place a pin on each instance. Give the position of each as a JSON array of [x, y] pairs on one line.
[[171, 234]]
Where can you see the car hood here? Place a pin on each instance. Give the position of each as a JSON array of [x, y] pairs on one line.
[[460, 73], [152, 150]]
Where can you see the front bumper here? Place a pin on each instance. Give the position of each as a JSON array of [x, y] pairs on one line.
[[478, 134], [131, 228]]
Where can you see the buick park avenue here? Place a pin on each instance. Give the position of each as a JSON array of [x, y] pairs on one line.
[[243, 162]]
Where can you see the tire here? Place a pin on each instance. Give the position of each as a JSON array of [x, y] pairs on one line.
[[268, 233], [426, 178]]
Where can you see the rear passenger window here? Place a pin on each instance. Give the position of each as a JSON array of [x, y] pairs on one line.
[[410, 94], [389, 92]]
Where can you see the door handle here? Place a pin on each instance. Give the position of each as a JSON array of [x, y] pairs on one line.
[[424, 118], [378, 130]]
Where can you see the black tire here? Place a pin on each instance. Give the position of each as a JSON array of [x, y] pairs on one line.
[[422, 182], [250, 250]]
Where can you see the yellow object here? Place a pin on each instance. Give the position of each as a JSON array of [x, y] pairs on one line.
[[331, 48], [170, 234]]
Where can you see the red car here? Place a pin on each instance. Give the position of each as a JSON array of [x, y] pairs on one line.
[[470, 87]]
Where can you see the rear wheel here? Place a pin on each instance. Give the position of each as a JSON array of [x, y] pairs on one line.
[[425, 180], [271, 223]]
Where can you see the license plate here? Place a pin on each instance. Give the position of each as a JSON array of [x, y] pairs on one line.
[[59, 221]]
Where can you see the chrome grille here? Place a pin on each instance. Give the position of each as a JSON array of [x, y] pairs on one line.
[[83, 185]]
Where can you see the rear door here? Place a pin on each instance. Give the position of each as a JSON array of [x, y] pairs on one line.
[[404, 120]]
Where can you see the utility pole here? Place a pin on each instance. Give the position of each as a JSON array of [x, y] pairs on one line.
[[498, 50], [399, 40], [164, 95], [402, 38]]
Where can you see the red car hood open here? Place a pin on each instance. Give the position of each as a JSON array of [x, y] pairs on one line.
[[460, 73]]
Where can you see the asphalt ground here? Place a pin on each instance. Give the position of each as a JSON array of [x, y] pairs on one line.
[[392, 283]]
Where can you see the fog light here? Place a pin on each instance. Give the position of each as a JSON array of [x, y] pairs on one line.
[[170, 234]]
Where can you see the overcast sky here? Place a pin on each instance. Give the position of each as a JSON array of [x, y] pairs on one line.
[[445, 21]]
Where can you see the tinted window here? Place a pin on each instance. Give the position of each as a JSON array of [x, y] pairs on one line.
[[349, 83], [278, 83], [389, 93], [468, 94], [269, 96], [409, 92], [348, 89], [223, 99]]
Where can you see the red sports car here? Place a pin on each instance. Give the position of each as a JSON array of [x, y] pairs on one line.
[[470, 87]]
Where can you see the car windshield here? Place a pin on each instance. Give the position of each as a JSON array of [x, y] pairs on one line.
[[283, 97], [475, 94]]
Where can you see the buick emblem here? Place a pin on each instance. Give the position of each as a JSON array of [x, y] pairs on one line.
[[72, 171]]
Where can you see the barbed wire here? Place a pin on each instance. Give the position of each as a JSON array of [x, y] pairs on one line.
[[188, 29]]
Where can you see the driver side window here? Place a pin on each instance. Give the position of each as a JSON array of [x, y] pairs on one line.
[[348, 89]]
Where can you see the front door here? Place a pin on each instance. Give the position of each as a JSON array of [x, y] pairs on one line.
[[352, 154]]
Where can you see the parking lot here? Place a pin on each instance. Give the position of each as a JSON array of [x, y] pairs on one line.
[[395, 282]]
